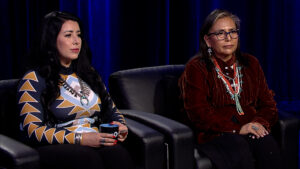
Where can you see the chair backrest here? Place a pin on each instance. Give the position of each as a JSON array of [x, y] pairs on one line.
[[148, 89], [9, 117]]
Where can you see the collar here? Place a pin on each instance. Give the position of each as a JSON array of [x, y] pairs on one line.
[[229, 63], [66, 70]]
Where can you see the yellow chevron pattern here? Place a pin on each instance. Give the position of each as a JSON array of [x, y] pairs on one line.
[[96, 107], [66, 76], [76, 109], [49, 135], [27, 87], [85, 114], [27, 108], [60, 98], [31, 76], [70, 138], [39, 133], [31, 128], [65, 104], [95, 128], [60, 136], [26, 97], [29, 119]]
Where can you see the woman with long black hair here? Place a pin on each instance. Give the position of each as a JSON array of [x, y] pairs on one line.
[[62, 102]]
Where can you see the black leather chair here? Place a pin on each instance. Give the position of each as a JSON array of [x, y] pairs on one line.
[[145, 144], [154, 95]]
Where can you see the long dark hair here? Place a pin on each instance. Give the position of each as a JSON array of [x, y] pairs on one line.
[[49, 64], [208, 23]]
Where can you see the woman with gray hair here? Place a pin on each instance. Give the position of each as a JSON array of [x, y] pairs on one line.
[[227, 99]]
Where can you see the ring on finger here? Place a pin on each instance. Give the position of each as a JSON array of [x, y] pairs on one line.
[[254, 128], [102, 140]]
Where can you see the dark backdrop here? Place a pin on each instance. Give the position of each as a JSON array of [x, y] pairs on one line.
[[127, 34]]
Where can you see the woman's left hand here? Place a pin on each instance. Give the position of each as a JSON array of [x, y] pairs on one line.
[[254, 128], [123, 131]]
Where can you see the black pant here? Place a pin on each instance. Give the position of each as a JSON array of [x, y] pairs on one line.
[[232, 151], [72, 156]]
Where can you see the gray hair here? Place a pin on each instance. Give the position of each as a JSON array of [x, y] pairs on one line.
[[218, 14]]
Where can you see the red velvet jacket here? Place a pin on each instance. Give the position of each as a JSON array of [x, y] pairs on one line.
[[211, 109]]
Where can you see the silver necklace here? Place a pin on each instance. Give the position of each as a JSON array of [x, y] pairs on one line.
[[82, 94], [228, 77]]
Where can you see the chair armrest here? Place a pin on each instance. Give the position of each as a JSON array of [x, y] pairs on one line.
[[146, 146], [14, 154], [179, 137], [286, 132]]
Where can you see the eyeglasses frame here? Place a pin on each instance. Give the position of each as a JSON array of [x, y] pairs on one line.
[[226, 34]]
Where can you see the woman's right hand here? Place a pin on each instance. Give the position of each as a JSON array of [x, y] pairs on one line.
[[94, 139]]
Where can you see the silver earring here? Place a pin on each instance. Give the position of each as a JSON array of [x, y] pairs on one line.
[[209, 50]]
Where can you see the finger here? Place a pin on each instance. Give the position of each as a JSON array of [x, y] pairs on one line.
[[261, 133], [259, 130], [265, 132], [121, 139], [116, 122], [123, 133], [122, 136], [255, 130], [262, 130], [107, 135], [254, 127], [107, 142], [123, 127]]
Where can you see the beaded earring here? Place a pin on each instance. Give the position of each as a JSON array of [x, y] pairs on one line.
[[209, 51]]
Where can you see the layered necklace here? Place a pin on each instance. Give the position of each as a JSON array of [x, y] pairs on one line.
[[235, 89], [83, 94]]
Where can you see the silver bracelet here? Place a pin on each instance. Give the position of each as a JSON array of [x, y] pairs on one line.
[[78, 137]]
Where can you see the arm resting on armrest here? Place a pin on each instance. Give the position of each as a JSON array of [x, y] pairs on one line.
[[15, 154]]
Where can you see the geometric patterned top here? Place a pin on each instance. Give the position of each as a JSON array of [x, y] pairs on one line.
[[73, 116]]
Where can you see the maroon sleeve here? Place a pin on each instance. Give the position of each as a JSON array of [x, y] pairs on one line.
[[267, 113]]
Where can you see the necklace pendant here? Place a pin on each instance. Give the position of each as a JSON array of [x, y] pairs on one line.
[[82, 94], [238, 105], [84, 100]]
